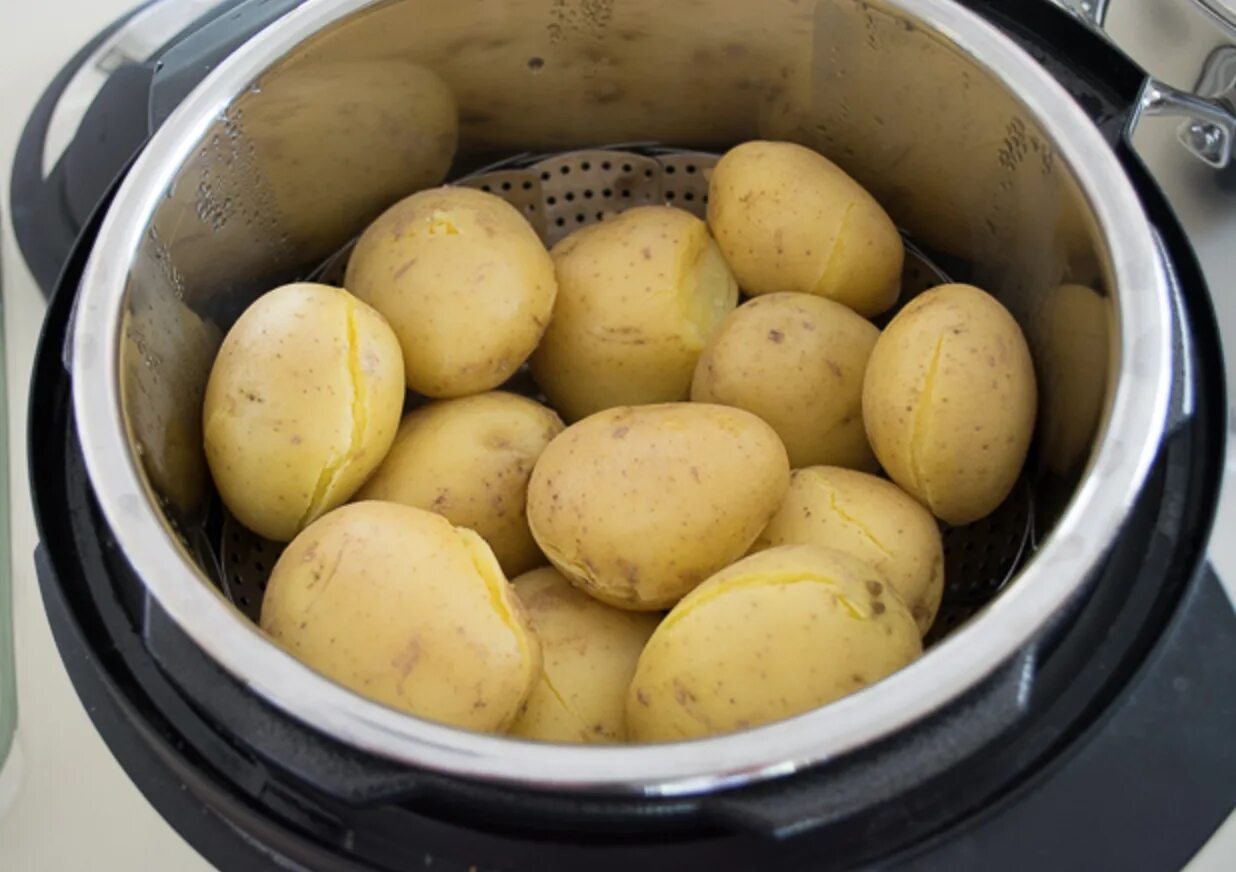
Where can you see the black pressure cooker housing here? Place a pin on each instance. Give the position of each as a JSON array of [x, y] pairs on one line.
[[1122, 758]]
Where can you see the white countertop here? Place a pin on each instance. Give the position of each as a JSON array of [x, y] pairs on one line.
[[65, 804]]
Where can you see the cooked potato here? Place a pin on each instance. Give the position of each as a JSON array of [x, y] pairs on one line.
[[949, 401], [797, 361], [469, 460], [788, 219], [302, 404], [868, 518], [774, 635], [401, 607], [1072, 332], [638, 296], [589, 652], [465, 282], [638, 505]]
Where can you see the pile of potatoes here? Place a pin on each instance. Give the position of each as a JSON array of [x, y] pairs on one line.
[[708, 546]]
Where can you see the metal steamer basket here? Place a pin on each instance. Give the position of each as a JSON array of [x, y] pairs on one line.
[[306, 132]]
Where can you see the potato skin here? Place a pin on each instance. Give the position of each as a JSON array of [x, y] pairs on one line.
[[638, 297], [870, 519], [464, 281], [469, 460], [797, 361], [301, 406], [589, 651], [788, 219], [401, 607], [772, 636], [637, 505], [949, 401]]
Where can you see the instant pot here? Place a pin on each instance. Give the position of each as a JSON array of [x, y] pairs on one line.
[[1075, 709]]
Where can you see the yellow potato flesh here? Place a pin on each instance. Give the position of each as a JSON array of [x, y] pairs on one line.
[[774, 635], [638, 505], [469, 460], [464, 281], [787, 219], [871, 519], [302, 404], [639, 296], [401, 607], [949, 401], [589, 654], [797, 361]]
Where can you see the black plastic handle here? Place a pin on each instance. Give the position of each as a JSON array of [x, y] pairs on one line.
[[45, 221], [1149, 784], [182, 66]]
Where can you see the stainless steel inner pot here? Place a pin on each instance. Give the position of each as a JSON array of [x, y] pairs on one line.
[[312, 127]]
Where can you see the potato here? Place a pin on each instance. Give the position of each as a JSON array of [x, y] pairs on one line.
[[589, 653], [301, 406], [949, 401], [1072, 334], [788, 219], [774, 635], [469, 460], [871, 519], [401, 607], [638, 505], [797, 361], [465, 282], [638, 297]]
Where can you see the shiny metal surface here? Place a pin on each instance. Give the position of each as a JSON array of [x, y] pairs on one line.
[[1208, 110], [980, 154]]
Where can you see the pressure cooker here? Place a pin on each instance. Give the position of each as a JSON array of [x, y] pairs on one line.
[[1074, 708]]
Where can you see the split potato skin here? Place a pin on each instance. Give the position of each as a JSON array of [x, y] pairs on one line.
[[637, 505], [949, 401], [302, 403], [399, 606], [774, 635], [788, 219], [639, 295], [870, 519], [469, 460], [589, 651], [797, 361], [465, 282]]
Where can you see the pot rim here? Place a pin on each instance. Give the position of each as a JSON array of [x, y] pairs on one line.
[[1060, 570]]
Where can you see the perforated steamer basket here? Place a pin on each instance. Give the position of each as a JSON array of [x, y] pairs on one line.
[[979, 155]]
